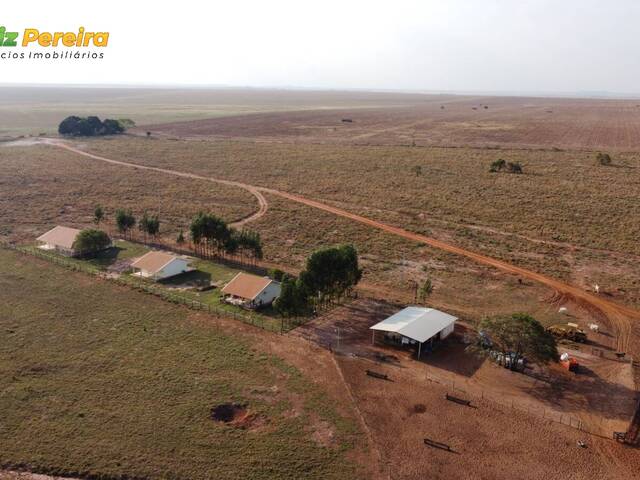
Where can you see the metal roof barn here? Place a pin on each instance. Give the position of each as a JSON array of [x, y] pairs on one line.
[[417, 323]]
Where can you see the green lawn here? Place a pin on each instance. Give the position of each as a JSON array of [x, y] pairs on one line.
[[100, 380], [180, 285], [122, 250]]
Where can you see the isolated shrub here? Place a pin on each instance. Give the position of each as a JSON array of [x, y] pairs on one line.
[[98, 215], [497, 166], [603, 158], [514, 167], [425, 290]]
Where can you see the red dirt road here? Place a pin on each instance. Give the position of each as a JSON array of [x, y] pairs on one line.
[[619, 316]]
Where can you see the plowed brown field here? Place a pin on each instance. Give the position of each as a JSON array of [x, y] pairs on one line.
[[447, 121]]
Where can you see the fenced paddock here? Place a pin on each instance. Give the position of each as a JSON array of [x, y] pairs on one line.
[[277, 325], [491, 400]]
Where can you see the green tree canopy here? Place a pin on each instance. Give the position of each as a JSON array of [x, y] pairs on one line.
[[209, 231], [89, 126], [91, 241], [125, 221], [149, 224], [520, 335], [293, 300], [330, 272]]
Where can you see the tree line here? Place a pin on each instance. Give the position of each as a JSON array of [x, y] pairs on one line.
[[210, 234], [92, 126], [330, 273]]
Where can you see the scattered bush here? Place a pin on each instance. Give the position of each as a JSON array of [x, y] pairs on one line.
[[503, 166]]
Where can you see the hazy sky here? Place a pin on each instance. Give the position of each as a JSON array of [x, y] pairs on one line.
[[443, 45]]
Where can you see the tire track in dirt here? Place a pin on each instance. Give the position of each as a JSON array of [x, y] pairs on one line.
[[618, 315], [262, 202]]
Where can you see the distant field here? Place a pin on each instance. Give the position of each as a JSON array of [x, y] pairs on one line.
[[101, 381], [486, 122], [34, 110]]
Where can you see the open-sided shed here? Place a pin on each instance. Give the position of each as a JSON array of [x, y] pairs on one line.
[[416, 325]]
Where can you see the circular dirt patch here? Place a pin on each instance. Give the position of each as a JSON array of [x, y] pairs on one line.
[[419, 408], [229, 412]]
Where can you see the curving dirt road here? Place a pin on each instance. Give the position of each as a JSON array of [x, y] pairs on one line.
[[262, 202], [619, 316]]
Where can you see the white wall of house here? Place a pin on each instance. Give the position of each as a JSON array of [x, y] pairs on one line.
[[268, 295], [175, 267], [446, 331], [58, 249]]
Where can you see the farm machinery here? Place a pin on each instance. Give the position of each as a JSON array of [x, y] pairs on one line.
[[570, 331]]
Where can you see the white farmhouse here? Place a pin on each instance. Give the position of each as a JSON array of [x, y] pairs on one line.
[[59, 239], [160, 265], [251, 291]]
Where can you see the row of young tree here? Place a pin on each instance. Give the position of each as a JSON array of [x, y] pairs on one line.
[[212, 235], [329, 274]]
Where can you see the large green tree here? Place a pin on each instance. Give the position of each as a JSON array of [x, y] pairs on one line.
[[209, 232], [331, 272], [519, 335], [293, 299], [90, 241]]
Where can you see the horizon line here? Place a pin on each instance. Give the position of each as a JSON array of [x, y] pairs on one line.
[[604, 95]]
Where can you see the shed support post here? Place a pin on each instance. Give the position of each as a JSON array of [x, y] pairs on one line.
[[373, 337], [419, 349]]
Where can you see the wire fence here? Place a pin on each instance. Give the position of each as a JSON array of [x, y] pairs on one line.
[[278, 325], [598, 427]]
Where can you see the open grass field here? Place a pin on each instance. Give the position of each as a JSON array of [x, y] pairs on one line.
[[40, 188], [403, 160], [566, 216], [102, 381], [35, 110]]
